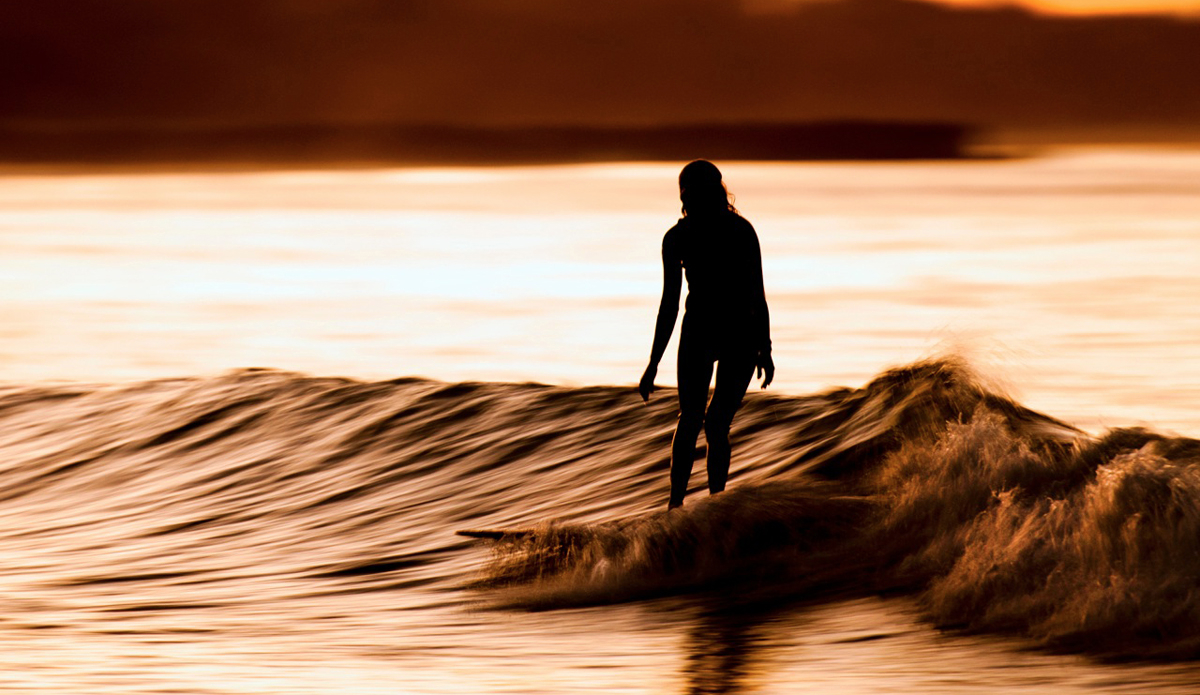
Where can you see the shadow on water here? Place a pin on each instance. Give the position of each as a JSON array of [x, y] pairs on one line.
[[724, 647]]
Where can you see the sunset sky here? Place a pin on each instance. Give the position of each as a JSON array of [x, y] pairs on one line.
[[1089, 7], [219, 63]]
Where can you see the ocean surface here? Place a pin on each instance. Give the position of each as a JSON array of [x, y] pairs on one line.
[[243, 415]]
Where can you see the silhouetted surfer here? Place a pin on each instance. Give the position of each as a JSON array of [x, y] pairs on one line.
[[725, 322]]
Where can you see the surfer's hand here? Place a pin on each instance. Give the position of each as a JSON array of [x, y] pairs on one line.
[[766, 368], [646, 385]]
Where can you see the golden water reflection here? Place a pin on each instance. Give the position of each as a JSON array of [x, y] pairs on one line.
[[1070, 278]]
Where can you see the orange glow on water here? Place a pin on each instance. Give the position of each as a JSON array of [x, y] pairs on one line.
[[1074, 272], [266, 532]]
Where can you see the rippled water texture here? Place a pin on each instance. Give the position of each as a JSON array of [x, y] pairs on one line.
[[268, 532], [172, 521]]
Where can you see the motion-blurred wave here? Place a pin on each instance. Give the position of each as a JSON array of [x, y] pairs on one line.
[[263, 489]]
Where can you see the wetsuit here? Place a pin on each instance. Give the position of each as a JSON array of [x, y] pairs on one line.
[[725, 322]]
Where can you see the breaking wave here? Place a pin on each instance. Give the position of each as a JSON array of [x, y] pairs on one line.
[[275, 486]]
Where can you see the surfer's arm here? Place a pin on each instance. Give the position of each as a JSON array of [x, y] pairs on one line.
[[762, 316], [668, 311], [668, 306]]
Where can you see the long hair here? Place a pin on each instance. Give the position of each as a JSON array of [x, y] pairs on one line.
[[702, 191]]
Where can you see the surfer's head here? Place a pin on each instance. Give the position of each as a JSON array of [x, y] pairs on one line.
[[701, 189]]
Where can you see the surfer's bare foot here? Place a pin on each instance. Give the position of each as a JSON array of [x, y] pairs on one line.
[[674, 505]]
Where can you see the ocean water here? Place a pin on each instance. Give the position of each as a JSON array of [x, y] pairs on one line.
[[244, 414]]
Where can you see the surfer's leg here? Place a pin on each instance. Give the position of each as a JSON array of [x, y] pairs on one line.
[[733, 377], [694, 374]]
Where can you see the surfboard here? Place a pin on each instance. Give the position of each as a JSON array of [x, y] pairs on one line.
[[495, 534]]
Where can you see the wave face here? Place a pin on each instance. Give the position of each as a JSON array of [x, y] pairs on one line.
[[261, 488]]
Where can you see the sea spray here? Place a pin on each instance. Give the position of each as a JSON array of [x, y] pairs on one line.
[[999, 519], [750, 536], [1111, 567], [935, 486]]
